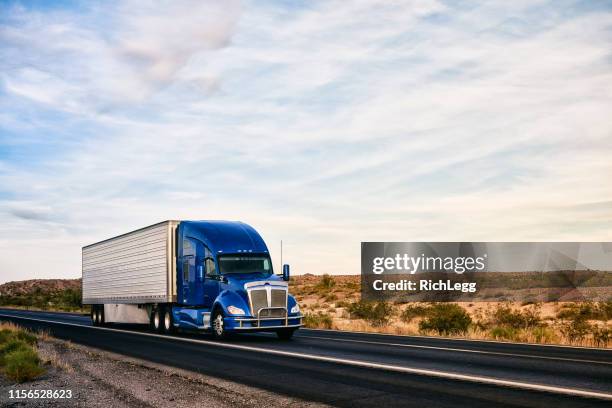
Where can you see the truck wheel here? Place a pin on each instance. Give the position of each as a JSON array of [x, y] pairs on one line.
[[94, 315], [168, 322], [285, 334], [156, 323], [101, 321], [218, 326]]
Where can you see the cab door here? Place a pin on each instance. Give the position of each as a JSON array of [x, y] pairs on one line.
[[196, 285], [212, 278], [192, 272], [186, 265]]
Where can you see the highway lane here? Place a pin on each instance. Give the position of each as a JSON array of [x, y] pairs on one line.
[[335, 379]]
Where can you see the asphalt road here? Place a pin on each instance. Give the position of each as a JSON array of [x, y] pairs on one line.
[[355, 369]]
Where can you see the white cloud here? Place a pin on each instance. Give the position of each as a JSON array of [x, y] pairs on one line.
[[112, 56], [323, 126]]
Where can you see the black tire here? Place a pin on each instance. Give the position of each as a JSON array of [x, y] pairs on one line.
[[285, 334], [217, 325], [168, 321], [156, 316], [102, 321], [94, 315]]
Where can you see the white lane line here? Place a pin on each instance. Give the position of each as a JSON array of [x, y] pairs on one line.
[[438, 338], [356, 363], [497, 353]]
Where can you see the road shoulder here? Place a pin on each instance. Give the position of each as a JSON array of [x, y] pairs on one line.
[[99, 378]]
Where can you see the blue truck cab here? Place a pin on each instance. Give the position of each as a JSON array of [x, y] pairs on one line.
[[225, 283]]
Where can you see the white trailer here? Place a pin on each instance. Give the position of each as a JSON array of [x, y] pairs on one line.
[[130, 271]]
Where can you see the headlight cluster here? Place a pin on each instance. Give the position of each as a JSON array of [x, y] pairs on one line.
[[235, 310], [295, 309]]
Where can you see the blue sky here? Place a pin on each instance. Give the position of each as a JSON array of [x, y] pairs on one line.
[[320, 123]]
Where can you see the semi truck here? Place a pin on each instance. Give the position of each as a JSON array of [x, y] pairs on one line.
[[214, 276]]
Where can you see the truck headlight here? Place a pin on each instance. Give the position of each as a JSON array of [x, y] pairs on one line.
[[295, 309], [235, 310]]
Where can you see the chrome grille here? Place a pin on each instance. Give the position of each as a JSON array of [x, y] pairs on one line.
[[259, 300], [278, 298], [268, 302], [272, 313]]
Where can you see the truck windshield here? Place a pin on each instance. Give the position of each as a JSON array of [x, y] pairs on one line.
[[245, 264]]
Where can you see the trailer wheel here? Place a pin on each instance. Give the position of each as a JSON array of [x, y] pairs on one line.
[[156, 317], [101, 320], [218, 326], [168, 323], [285, 334], [94, 315]]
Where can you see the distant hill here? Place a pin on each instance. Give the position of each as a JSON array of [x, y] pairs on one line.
[[46, 294], [31, 286]]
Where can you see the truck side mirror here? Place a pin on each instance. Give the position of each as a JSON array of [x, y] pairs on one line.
[[286, 272], [200, 273]]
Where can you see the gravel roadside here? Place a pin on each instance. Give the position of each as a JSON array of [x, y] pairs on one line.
[[101, 379]]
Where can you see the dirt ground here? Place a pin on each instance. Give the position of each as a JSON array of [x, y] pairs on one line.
[[333, 300], [101, 379]]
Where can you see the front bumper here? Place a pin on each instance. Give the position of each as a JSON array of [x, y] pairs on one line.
[[239, 323]]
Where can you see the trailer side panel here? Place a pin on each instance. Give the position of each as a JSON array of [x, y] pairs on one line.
[[137, 267]]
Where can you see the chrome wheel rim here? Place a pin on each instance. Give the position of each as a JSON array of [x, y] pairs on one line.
[[219, 325], [167, 321], [156, 320]]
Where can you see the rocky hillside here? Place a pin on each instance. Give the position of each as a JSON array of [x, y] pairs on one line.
[[46, 294], [32, 286]]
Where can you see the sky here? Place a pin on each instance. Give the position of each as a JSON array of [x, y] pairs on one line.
[[322, 124]]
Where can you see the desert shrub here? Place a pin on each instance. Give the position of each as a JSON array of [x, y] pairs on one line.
[[605, 310], [352, 286], [413, 311], [602, 336], [543, 334], [517, 319], [586, 311], [22, 365], [318, 320], [504, 333], [446, 318], [330, 297], [65, 299], [577, 329], [71, 298], [18, 358], [342, 303], [326, 282], [25, 336], [10, 345], [574, 311], [360, 309], [5, 334], [376, 313]]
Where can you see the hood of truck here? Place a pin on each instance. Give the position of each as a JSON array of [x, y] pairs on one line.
[[238, 280], [235, 282]]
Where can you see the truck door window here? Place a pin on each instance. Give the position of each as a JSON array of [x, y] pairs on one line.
[[189, 247], [209, 262], [186, 271]]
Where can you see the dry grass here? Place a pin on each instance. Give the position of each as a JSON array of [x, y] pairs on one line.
[[19, 359], [51, 357], [569, 323]]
